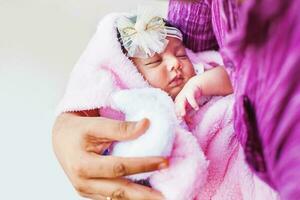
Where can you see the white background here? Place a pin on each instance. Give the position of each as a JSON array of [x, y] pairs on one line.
[[40, 41]]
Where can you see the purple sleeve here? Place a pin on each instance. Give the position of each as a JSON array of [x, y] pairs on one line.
[[204, 23], [194, 20], [224, 19], [265, 52]]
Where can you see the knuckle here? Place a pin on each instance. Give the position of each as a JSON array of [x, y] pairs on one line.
[[79, 171], [82, 194], [123, 127], [119, 194], [81, 188], [119, 169]]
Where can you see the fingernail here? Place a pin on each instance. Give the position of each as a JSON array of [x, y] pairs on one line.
[[163, 165], [142, 124]]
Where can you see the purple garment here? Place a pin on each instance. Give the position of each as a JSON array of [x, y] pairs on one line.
[[224, 16], [263, 52], [194, 20]]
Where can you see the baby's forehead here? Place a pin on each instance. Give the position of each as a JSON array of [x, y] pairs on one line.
[[174, 41], [173, 45]]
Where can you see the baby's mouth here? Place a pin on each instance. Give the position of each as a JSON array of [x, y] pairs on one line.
[[176, 81]]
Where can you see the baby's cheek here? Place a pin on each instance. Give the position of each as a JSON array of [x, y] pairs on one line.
[[157, 79], [188, 68]]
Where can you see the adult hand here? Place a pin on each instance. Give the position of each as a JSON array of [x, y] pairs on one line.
[[78, 143]]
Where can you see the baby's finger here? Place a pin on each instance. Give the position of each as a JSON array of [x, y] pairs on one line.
[[180, 107], [192, 101]]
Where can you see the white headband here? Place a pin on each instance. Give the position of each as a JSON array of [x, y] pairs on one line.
[[143, 35]]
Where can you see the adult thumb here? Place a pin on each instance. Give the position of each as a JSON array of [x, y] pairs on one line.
[[116, 130]]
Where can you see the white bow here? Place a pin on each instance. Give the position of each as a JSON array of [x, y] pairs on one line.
[[142, 35]]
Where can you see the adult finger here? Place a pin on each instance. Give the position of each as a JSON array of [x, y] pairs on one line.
[[96, 166], [120, 188], [92, 196], [115, 130], [98, 148]]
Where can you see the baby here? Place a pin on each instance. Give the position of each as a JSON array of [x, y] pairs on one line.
[[168, 66]]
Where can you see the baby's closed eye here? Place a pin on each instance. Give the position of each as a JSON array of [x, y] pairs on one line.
[[182, 56], [153, 63], [181, 53]]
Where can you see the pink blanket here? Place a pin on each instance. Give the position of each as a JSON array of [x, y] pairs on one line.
[[228, 175], [207, 164]]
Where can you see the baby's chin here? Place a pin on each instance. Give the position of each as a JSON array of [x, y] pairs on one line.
[[175, 91]]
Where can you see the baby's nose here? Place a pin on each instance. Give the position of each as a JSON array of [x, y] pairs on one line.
[[174, 64]]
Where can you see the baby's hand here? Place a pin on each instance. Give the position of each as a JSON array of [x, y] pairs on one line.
[[188, 95]]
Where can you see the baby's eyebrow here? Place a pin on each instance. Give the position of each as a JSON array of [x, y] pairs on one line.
[[179, 47]]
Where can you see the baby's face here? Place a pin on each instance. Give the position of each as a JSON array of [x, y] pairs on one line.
[[169, 70]]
